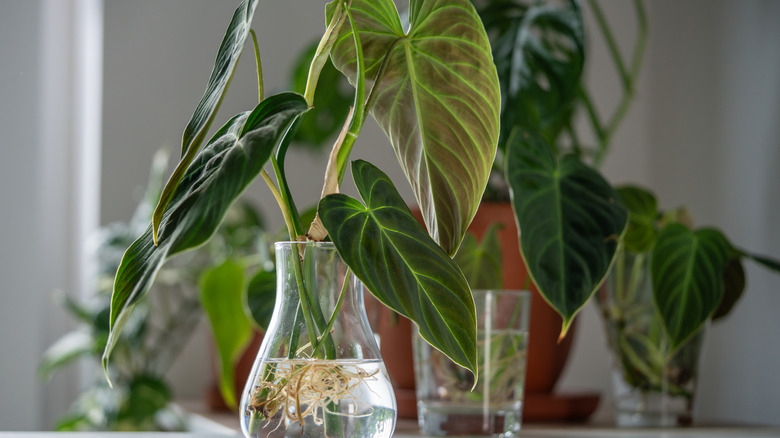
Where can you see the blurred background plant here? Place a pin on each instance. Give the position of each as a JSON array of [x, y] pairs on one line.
[[231, 279]]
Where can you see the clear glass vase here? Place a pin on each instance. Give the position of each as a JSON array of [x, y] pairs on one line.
[[447, 405], [318, 371], [652, 386]]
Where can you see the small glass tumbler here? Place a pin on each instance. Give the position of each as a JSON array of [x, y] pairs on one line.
[[446, 403]]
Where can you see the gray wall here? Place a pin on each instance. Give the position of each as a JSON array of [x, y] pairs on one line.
[[703, 132]]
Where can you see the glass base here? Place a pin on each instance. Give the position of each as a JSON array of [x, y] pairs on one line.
[[652, 409], [450, 419]]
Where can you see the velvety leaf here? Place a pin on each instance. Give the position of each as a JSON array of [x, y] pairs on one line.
[[642, 209], [687, 269], [198, 126], [540, 54], [733, 288], [222, 298], [261, 296], [569, 221], [438, 102], [401, 265], [222, 170], [481, 261]]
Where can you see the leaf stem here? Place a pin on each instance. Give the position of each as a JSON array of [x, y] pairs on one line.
[[259, 65], [282, 205], [318, 343], [359, 116]]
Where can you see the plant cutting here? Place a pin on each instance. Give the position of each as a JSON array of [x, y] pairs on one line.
[[432, 87], [670, 280]]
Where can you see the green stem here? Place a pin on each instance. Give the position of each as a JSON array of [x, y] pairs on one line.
[[282, 205], [334, 314], [303, 297], [601, 20], [596, 125], [259, 65], [284, 192]]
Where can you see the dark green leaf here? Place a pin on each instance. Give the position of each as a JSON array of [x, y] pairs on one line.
[[222, 298], [147, 396], [438, 102], [539, 56], [401, 265], [733, 287], [687, 269], [219, 174], [261, 296], [642, 209], [569, 221], [481, 261], [195, 132]]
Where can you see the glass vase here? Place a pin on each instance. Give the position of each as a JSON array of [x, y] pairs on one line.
[[446, 403], [652, 386], [318, 371]]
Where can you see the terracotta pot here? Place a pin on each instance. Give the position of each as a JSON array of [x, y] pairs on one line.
[[546, 357]]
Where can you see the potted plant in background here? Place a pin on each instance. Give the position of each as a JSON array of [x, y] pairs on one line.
[[398, 77], [161, 325], [669, 282]]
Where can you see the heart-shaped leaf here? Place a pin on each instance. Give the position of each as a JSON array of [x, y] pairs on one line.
[[222, 298], [687, 269], [481, 261], [391, 253], [219, 174], [437, 100], [195, 131], [642, 209], [569, 221]]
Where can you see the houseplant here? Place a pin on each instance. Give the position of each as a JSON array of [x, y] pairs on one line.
[[669, 282], [558, 99], [161, 325], [398, 77]]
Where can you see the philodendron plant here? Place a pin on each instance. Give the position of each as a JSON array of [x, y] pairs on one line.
[[696, 274], [432, 87]]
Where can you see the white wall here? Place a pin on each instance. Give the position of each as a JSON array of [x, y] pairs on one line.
[[21, 339]]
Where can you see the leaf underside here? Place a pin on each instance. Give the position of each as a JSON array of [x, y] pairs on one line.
[[438, 101]]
